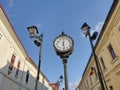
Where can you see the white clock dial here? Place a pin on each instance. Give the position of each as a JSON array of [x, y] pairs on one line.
[[63, 43]]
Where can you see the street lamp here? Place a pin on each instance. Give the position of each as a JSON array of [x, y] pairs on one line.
[[59, 81], [63, 46], [33, 31], [86, 30], [61, 78]]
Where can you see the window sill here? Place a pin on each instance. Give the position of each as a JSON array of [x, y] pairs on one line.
[[104, 70], [114, 60]]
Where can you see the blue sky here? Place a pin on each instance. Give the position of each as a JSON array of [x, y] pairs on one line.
[[51, 18]]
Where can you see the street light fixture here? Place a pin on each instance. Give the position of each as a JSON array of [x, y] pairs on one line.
[[63, 46], [61, 78], [59, 81], [33, 31], [86, 30]]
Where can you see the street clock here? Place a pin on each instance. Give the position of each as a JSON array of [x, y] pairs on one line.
[[63, 45]]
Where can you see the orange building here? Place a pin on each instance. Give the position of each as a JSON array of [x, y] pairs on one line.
[[54, 86]]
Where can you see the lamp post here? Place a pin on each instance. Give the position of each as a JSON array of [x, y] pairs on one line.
[[33, 31], [55, 86], [59, 81], [63, 46], [86, 30]]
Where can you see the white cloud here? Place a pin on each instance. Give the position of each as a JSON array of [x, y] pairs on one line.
[[98, 27], [72, 85]]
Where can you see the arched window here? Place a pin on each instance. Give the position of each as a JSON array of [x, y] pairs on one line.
[[10, 68], [112, 52], [103, 64], [27, 77], [17, 70]]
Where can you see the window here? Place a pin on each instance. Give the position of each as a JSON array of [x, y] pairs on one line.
[[111, 87], [96, 75], [87, 84], [112, 51], [27, 77], [17, 70], [0, 36], [10, 68], [102, 63], [90, 80], [119, 27]]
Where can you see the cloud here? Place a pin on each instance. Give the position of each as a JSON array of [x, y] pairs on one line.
[[98, 27], [72, 85]]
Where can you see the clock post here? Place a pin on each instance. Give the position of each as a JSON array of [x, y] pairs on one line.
[[64, 46]]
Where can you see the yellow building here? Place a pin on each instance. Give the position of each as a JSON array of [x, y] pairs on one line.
[[17, 70], [107, 49]]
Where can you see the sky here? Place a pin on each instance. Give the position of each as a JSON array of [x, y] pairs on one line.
[[51, 18]]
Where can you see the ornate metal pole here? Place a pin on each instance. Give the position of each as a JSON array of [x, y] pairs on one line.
[[39, 62], [64, 46], [33, 31], [64, 61]]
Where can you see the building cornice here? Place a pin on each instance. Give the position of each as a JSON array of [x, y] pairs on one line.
[[26, 54]]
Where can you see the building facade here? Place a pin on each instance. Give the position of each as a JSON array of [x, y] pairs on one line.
[[17, 69], [54, 86], [107, 50]]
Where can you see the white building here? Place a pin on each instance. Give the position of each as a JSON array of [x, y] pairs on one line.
[[17, 70]]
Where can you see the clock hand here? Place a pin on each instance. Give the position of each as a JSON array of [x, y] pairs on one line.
[[63, 43]]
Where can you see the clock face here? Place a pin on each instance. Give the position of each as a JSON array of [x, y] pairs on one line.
[[63, 43]]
